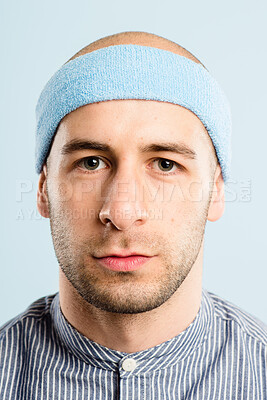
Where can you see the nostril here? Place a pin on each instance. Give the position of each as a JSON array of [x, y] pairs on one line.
[[104, 217], [105, 220]]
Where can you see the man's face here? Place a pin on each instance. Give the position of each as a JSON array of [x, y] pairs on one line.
[[129, 197]]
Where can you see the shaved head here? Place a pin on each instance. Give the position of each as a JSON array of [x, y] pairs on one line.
[[139, 38]]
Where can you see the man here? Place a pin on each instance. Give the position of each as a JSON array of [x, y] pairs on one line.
[[133, 148]]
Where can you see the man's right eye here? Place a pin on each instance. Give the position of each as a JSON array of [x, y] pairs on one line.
[[92, 163]]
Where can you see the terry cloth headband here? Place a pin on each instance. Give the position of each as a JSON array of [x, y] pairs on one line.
[[134, 72]]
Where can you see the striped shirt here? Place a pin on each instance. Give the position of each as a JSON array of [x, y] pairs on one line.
[[221, 355]]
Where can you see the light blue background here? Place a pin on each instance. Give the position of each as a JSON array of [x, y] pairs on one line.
[[228, 37]]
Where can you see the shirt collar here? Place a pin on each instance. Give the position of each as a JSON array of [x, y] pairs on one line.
[[158, 357]]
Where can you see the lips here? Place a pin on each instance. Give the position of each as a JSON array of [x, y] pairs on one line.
[[123, 254], [116, 262]]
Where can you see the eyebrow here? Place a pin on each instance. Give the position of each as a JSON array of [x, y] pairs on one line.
[[178, 148]]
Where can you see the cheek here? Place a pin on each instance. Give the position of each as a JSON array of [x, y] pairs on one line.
[[75, 193], [180, 204], [75, 203], [195, 193], [192, 195]]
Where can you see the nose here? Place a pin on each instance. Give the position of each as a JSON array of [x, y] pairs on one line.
[[123, 203]]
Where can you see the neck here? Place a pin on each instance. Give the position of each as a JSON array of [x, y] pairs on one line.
[[134, 332]]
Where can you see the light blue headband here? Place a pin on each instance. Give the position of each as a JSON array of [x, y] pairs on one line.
[[134, 72]]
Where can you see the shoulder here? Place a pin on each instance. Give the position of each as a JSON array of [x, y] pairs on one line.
[[238, 320], [38, 312], [20, 340]]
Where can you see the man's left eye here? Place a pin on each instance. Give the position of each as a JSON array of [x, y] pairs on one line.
[[165, 165]]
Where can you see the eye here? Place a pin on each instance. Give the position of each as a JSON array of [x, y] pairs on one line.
[[92, 163], [165, 165]]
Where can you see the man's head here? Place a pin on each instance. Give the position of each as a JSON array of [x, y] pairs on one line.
[[132, 68], [132, 175]]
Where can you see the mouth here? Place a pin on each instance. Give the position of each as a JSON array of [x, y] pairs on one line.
[[122, 253], [117, 262]]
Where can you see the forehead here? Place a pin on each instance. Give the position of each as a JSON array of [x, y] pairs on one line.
[[133, 120]]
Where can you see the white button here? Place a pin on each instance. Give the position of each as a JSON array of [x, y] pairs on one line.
[[129, 364]]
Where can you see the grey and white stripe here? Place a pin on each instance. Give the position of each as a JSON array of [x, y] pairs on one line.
[[222, 355]]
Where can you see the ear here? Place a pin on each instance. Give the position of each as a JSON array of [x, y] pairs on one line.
[[42, 197], [216, 208]]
